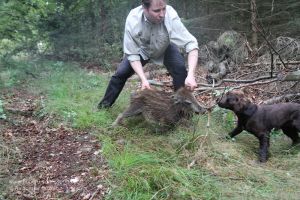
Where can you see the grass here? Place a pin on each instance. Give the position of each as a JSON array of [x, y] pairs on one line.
[[188, 162]]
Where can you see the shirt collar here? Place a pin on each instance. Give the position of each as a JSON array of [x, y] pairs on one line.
[[146, 20]]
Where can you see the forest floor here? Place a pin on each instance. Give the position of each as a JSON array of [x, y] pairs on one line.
[[41, 162]]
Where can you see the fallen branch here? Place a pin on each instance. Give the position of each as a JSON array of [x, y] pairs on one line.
[[286, 97], [236, 81], [292, 76], [269, 63], [207, 89]]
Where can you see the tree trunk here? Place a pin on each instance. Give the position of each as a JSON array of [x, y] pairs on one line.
[[253, 23]]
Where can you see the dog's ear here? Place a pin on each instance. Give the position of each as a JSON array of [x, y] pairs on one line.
[[240, 102]]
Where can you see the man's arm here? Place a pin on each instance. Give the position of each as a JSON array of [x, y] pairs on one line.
[[138, 68], [190, 81], [181, 37], [131, 50]]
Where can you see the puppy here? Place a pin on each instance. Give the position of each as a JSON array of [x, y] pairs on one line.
[[261, 119]]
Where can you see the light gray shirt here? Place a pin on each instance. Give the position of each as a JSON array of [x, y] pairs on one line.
[[141, 37]]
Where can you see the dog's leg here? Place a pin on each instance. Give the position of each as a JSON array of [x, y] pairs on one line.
[[292, 132], [237, 130], [264, 143]]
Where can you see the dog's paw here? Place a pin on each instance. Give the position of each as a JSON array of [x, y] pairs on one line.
[[262, 160], [226, 138], [257, 163]]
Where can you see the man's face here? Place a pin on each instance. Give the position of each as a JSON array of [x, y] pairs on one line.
[[156, 12]]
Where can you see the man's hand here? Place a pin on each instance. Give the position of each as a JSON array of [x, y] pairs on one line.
[[146, 85], [138, 68], [190, 82]]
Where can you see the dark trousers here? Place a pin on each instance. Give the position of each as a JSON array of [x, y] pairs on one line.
[[173, 60]]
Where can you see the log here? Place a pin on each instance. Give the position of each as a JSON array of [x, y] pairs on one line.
[[292, 76], [286, 97]]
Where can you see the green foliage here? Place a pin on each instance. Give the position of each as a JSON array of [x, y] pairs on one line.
[[6, 46], [19, 24], [7, 78], [78, 31], [229, 119], [12, 72], [92, 31]]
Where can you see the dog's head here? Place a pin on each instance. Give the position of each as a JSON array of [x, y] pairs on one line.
[[235, 101]]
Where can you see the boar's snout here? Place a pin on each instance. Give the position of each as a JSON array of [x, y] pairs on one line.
[[197, 108]]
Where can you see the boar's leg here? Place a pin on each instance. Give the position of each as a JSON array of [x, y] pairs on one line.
[[132, 110]]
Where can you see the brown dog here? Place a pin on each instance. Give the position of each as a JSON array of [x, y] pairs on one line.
[[261, 119]]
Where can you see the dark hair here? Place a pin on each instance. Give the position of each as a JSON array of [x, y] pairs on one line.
[[146, 3]]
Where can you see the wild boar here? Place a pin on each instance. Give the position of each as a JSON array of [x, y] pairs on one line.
[[162, 108]]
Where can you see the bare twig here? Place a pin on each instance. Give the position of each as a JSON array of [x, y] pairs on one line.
[[267, 63], [280, 98], [269, 43], [95, 193], [208, 89], [234, 81]]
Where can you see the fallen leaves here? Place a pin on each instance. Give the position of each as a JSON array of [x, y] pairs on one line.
[[52, 162]]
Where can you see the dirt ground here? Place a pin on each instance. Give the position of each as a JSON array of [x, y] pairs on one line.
[[39, 161]]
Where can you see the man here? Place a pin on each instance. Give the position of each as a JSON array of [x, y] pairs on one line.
[[153, 33]]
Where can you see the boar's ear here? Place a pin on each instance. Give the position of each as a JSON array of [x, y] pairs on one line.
[[176, 97]]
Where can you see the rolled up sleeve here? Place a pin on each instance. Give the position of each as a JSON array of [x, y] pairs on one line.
[[180, 36], [130, 47]]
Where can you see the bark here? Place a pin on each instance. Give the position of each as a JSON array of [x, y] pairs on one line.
[[253, 23]]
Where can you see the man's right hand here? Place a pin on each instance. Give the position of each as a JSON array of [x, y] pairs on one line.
[[137, 67], [146, 85]]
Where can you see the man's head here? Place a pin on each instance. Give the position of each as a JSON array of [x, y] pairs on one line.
[[154, 10]]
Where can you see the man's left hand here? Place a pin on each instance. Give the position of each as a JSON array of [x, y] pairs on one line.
[[190, 83]]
